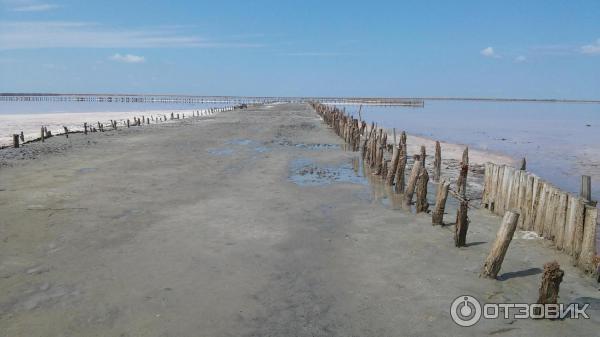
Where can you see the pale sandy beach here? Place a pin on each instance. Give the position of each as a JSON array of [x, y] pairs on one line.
[[209, 226]]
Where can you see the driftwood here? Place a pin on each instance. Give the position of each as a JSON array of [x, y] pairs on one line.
[[437, 217], [493, 262]]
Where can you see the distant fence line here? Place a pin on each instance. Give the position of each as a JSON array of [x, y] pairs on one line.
[[205, 99], [567, 220]]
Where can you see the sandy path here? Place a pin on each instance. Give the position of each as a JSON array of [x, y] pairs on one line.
[[195, 229]]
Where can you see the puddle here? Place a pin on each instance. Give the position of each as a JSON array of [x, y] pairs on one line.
[[304, 172], [311, 146], [221, 151], [87, 170], [261, 149], [240, 142]]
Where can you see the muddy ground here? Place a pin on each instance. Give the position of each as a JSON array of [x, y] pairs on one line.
[[247, 223]]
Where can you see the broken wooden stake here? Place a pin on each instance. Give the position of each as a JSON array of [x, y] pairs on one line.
[[437, 217], [550, 286], [412, 180], [493, 262], [462, 224], [422, 205], [586, 188], [16, 140], [523, 165]]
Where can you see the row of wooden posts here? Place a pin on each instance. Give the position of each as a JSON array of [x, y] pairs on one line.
[[19, 139], [569, 221], [373, 143]]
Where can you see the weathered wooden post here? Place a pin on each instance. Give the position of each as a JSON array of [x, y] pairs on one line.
[[423, 155], [437, 162], [586, 188], [128, 123], [461, 183], [462, 224], [22, 137], [16, 140], [550, 286], [394, 165], [493, 262], [43, 134], [66, 132], [85, 129], [412, 180], [422, 205], [437, 217], [523, 165]]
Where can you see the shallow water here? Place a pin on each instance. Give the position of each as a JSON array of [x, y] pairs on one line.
[[561, 141]]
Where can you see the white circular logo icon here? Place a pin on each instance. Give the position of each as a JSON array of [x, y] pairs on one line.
[[465, 310]]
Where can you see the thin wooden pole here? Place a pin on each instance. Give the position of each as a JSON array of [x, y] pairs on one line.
[[437, 162], [493, 262], [523, 165]]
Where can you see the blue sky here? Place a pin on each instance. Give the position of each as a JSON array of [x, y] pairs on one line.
[[534, 49]]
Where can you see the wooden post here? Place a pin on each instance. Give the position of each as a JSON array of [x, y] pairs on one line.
[[400, 170], [412, 180], [85, 128], [437, 162], [127, 122], [16, 140], [465, 156], [523, 165], [422, 204], [586, 188], [22, 137], [66, 132], [493, 262], [43, 134], [395, 136], [437, 217], [394, 166], [462, 224], [423, 155], [461, 183], [551, 279]]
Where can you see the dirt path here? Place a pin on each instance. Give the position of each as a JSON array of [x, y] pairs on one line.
[[218, 227]]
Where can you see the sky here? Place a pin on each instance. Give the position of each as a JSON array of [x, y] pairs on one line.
[[512, 49]]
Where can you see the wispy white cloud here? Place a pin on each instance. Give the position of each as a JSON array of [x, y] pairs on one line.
[[128, 58], [520, 59], [489, 52], [68, 34], [324, 54], [36, 8], [28, 5], [591, 49]]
